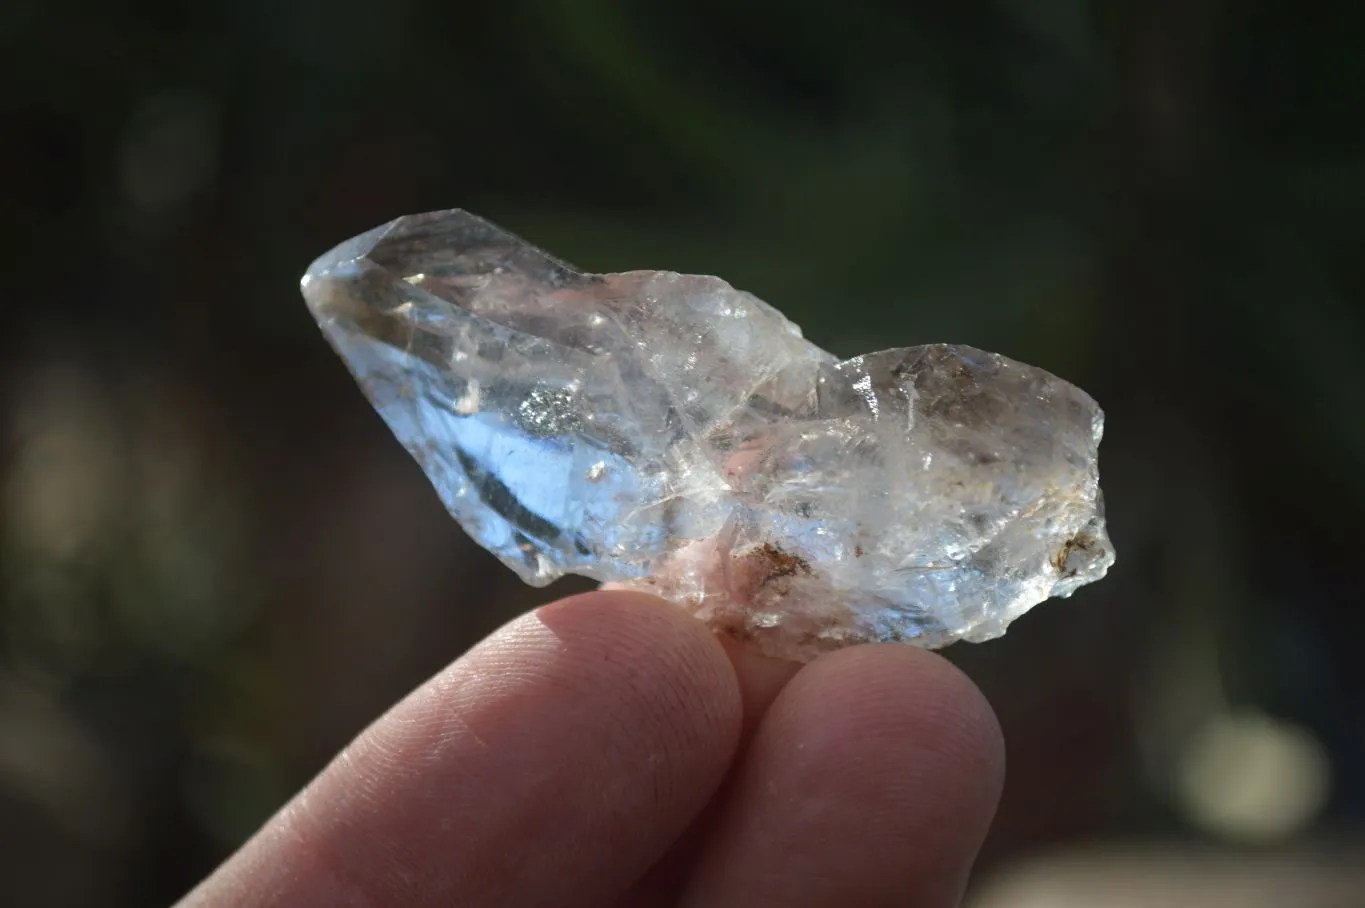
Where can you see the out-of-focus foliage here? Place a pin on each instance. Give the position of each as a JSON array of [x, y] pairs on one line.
[[215, 566]]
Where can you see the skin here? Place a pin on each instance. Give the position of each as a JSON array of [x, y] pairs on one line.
[[608, 750]]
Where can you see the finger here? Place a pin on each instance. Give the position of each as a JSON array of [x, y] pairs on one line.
[[760, 679], [550, 766], [871, 781]]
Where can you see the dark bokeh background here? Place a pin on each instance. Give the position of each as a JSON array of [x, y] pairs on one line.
[[216, 566]]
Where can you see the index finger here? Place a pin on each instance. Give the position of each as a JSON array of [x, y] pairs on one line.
[[552, 765]]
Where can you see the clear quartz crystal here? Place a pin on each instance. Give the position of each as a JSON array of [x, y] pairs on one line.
[[673, 434]]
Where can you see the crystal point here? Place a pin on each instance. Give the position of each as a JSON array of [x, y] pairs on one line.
[[673, 434]]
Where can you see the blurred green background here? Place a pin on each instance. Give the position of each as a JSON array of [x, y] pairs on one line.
[[216, 566]]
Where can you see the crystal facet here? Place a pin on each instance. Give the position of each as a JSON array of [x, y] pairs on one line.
[[673, 434]]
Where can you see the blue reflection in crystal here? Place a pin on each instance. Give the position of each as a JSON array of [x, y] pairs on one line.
[[519, 494]]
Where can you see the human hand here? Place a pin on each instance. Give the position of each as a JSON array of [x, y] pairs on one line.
[[608, 750]]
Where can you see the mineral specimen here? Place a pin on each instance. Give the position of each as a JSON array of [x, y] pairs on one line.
[[673, 434]]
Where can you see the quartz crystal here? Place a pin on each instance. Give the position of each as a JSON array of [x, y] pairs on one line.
[[673, 434]]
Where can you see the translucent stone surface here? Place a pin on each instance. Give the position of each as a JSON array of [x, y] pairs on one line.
[[671, 433]]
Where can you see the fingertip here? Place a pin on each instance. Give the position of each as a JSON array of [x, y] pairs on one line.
[[552, 764], [902, 689], [651, 642], [872, 780], [759, 678], [901, 727]]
